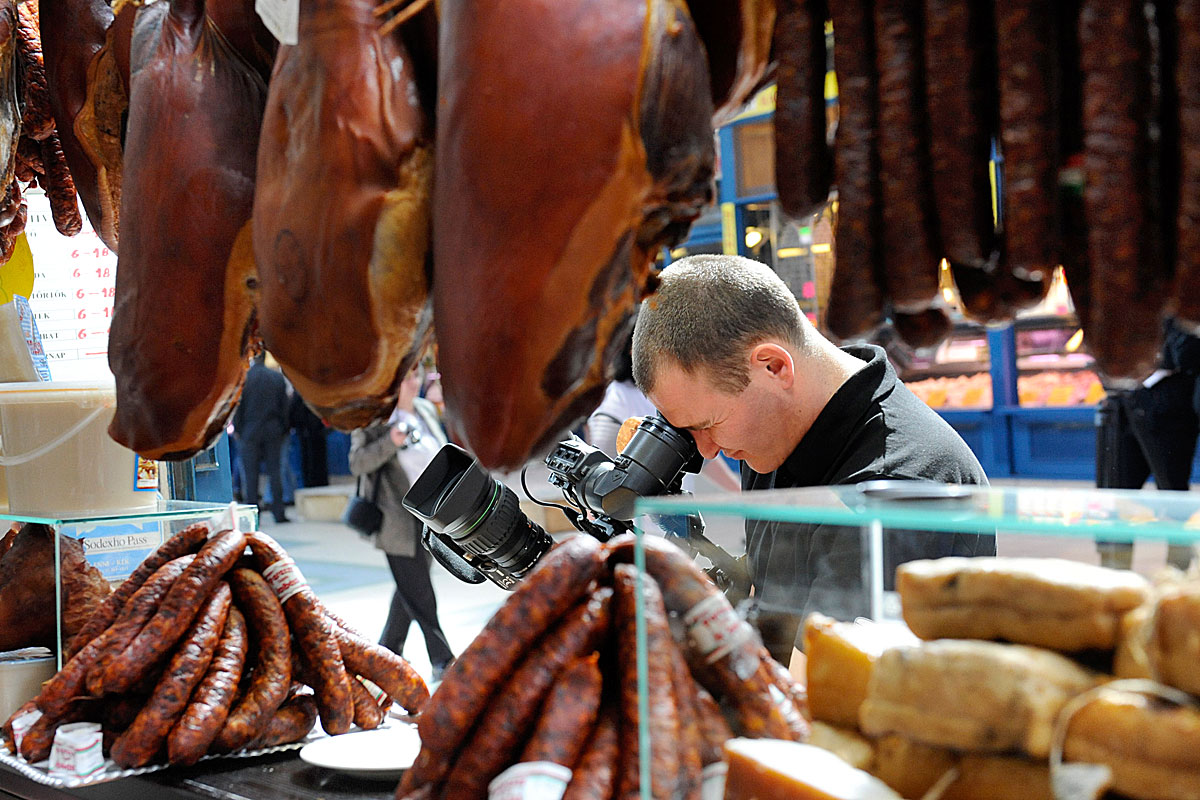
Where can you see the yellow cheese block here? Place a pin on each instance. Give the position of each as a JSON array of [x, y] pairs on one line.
[[840, 658], [972, 695], [1152, 747], [766, 769], [847, 744], [1175, 641]]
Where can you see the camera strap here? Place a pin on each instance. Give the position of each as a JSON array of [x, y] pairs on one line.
[[377, 476]]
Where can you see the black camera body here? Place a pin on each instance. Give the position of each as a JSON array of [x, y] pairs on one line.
[[475, 528], [652, 463]]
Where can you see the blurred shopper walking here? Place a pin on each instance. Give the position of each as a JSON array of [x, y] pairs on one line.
[[260, 425], [394, 453], [1151, 430], [314, 450]]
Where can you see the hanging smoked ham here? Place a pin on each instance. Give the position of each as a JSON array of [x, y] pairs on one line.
[[552, 198], [737, 40], [73, 33], [342, 213], [183, 318], [241, 26]]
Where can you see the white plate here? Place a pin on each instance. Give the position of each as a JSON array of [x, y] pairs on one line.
[[379, 754]]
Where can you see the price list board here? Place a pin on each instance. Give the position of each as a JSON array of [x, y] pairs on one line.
[[72, 298]]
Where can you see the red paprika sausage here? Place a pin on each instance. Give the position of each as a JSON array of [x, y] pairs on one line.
[[211, 702], [176, 611], [142, 741], [186, 541], [272, 674]]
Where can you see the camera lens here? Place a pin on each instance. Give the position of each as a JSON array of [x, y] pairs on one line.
[[457, 498]]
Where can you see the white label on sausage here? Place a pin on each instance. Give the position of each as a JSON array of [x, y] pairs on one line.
[[22, 723], [715, 628], [712, 781], [285, 579], [77, 750], [530, 780]]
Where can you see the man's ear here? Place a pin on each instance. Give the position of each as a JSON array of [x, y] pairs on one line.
[[776, 360]]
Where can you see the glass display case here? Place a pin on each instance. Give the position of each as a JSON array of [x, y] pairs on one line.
[[1003, 626], [115, 541]]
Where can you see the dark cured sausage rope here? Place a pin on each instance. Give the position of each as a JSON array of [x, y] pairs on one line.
[[381, 666], [910, 265], [663, 721], [498, 734], [691, 740], [1124, 246], [134, 615], [568, 715], [175, 612], [1028, 135], [959, 144], [272, 675], [855, 305], [37, 122], [316, 635], [803, 161], [595, 777]]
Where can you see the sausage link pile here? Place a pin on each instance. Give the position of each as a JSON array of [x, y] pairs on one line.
[[196, 654], [553, 678]]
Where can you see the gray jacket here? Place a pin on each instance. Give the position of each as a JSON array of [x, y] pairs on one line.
[[373, 455]]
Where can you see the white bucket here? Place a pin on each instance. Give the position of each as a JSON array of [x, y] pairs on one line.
[[57, 454], [21, 679]]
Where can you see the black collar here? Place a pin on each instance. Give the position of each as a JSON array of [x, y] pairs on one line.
[[818, 453]]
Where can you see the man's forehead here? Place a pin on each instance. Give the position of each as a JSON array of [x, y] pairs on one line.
[[683, 398]]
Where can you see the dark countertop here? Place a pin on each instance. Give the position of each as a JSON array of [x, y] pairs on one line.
[[279, 776]]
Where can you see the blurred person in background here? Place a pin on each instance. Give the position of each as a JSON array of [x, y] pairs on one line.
[[260, 425], [395, 453], [310, 434], [1151, 430]]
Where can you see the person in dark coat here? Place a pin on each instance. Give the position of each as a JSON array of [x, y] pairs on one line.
[[723, 351], [260, 425], [310, 433]]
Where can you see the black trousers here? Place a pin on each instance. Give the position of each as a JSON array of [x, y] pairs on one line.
[[255, 452], [1144, 432], [314, 468], [414, 600], [1148, 432]]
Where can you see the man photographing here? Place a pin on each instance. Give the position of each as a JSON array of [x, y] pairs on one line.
[[723, 350]]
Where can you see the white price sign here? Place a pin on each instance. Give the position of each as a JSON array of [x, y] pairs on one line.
[[73, 288]]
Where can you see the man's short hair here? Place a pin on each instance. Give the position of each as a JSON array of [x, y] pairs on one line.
[[708, 312]]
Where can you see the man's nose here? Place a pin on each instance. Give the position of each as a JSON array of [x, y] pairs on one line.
[[705, 444]]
